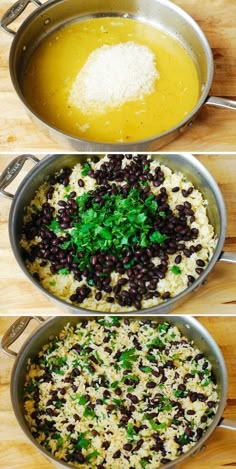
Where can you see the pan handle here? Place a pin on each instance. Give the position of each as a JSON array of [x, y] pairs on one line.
[[11, 172], [15, 331], [228, 424], [221, 102], [228, 257], [13, 12]]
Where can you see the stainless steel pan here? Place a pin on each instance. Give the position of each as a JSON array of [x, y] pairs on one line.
[[187, 164], [161, 13], [189, 326]]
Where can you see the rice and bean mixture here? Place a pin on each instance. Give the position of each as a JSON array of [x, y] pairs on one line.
[[119, 393], [117, 234]]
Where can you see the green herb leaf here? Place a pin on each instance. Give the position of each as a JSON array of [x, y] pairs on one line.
[[89, 413], [144, 463], [206, 382], [175, 269], [82, 442], [130, 431], [157, 427], [83, 400], [85, 169], [114, 384], [63, 271], [92, 455], [162, 215], [158, 238]]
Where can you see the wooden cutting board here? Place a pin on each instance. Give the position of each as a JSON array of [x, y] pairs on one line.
[[220, 452], [19, 296], [214, 129]]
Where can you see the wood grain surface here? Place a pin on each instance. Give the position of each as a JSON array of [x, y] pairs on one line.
[[214, 129], [19, 296], [220, 452]]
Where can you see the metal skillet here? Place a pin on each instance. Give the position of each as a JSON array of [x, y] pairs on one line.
[[188, 326], [187, 164], [163, 14]]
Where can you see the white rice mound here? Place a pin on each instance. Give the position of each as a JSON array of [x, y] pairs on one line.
[[113, 75], [59, 376], [63, 286]]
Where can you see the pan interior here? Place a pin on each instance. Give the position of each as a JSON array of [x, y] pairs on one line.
[[189, 327], [163, 15], [185, 164]]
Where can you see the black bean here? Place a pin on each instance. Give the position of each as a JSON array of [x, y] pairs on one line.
[[166, 295], [80, 458], [199, 270], [106, 444], [133, 398], [138, 445], [211, 404], [151, 385], [117, 454], [193, 397], [127, 447], [175, 189]]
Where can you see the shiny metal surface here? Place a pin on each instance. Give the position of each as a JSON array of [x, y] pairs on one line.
[[10, 173], [189, 326], [160, 13], [14, 12], [225, 103], [186, 163]]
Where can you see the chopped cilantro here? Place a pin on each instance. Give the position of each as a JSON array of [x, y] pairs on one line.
[[146, 369], [156, 427], [183, 439], [121, 221], [89, 413], [54, 226], [63, 271], [82, 442], [158, 238], [118, 402], [83, 400], [206, 382], [92, 455], [128, 357], [162, 215], [53, 282], [65, 245], [114, 384], [163, 328], [143, 463], [130, 431], [156, 343], [85, 169], [175, 269], [180, 393]]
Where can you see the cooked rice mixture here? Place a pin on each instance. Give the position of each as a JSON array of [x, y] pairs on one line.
[[117, 234], [113, 393]]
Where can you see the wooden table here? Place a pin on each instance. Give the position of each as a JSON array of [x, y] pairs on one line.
[[17, 453], [19, 296], [214, 129]]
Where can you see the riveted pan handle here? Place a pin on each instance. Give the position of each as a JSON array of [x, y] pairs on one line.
[[11, 172], [13, 12], [228, 257], [221, 102], [228, 424], [15, 331]]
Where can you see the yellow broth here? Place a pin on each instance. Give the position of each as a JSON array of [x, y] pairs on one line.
[[54, 65]]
